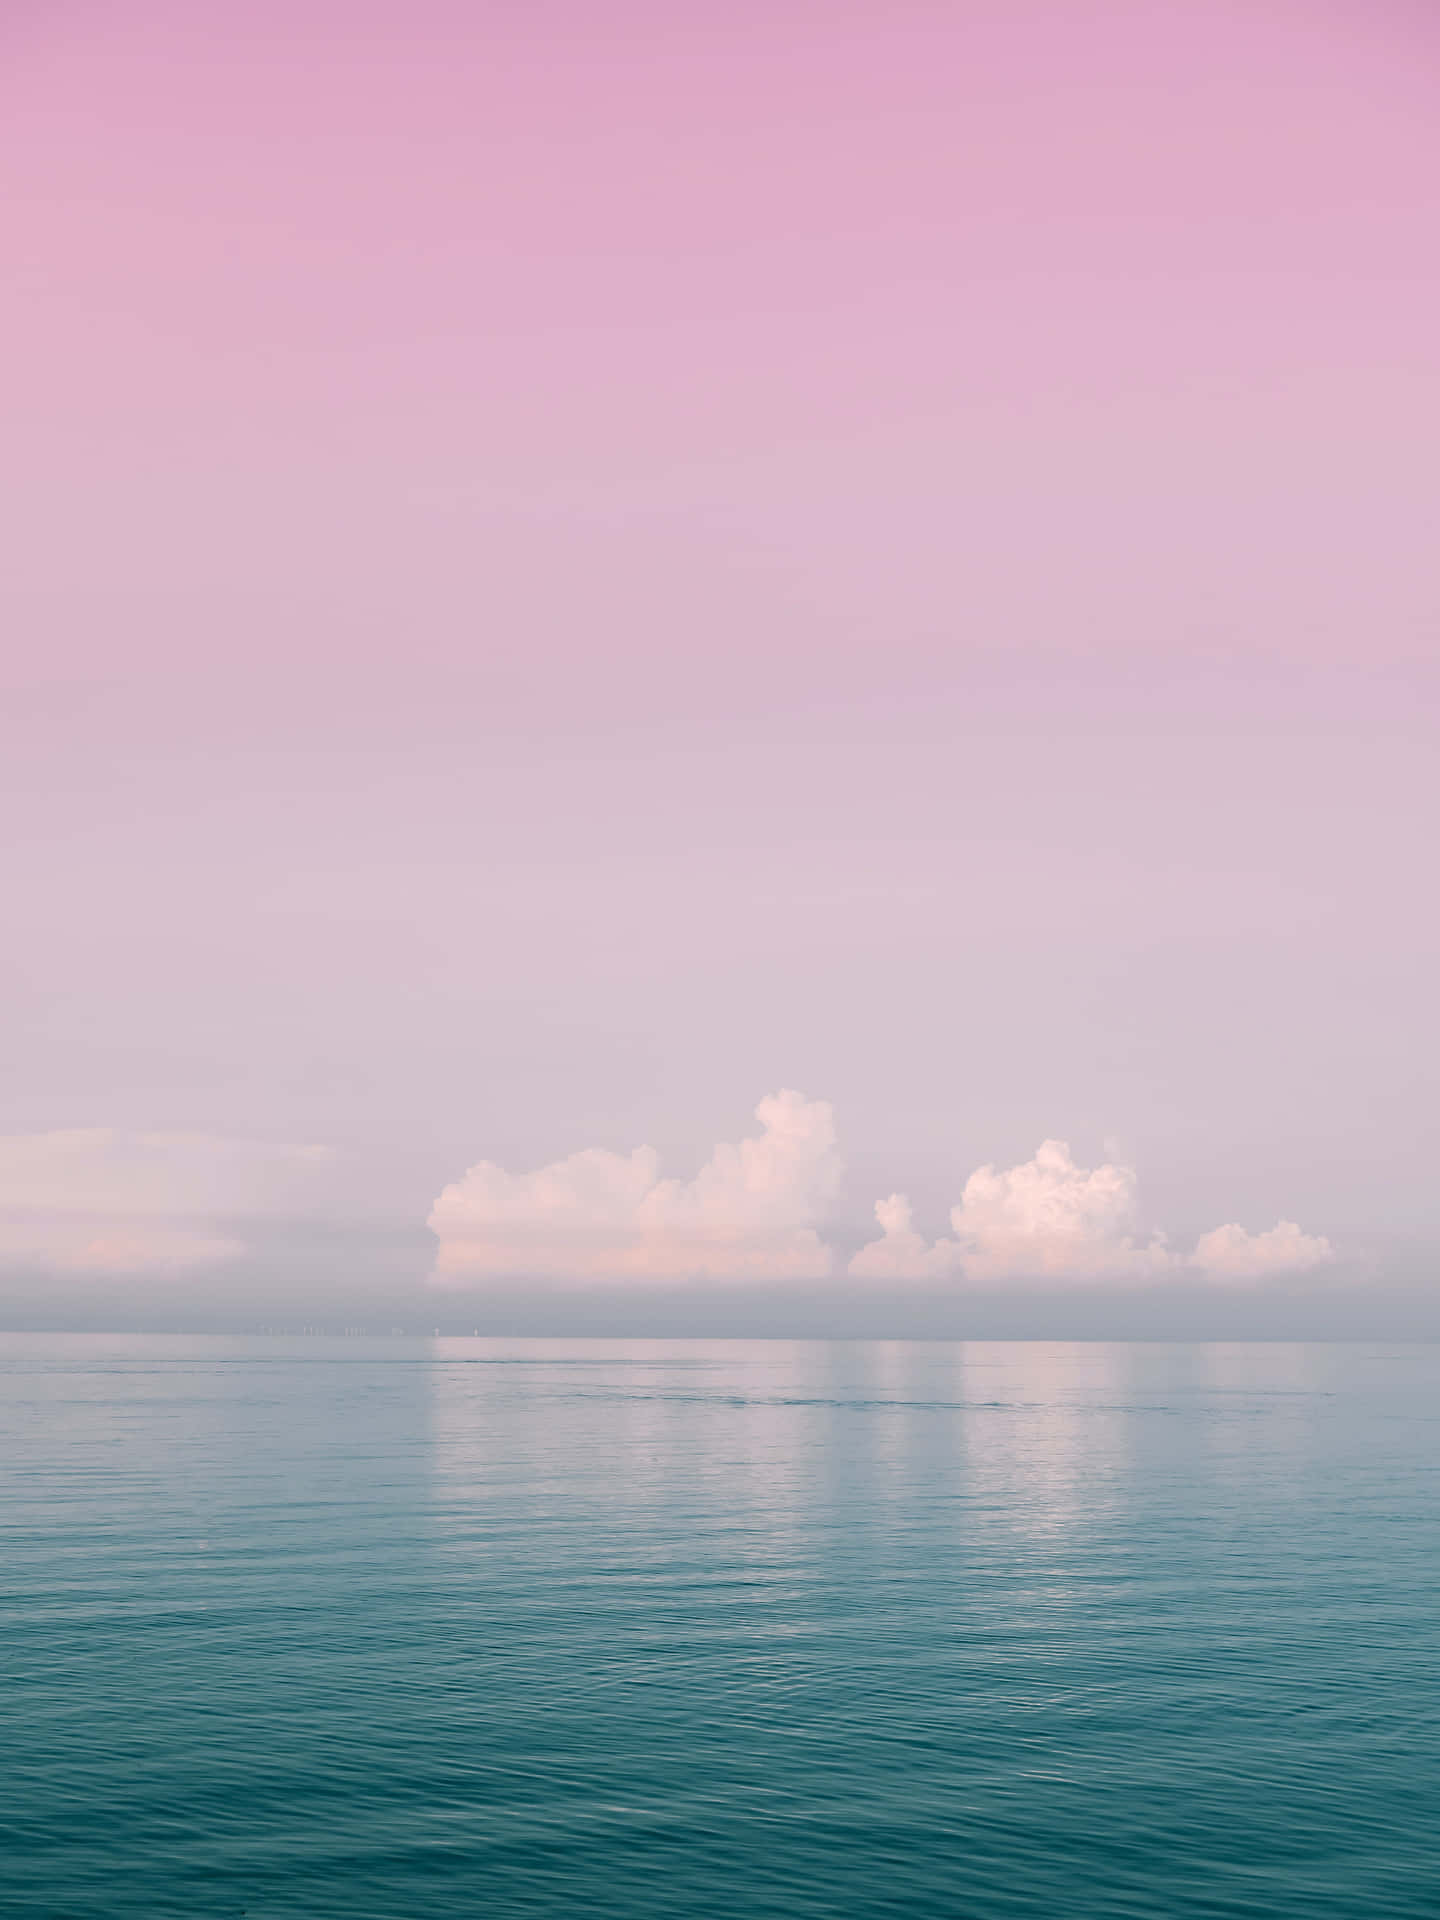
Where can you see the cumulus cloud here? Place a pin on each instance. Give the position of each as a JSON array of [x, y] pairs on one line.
[[1051, 1220], [751, 1213], [1230, 1253], [97, 1200], [1046, 1219], [901, 1253]]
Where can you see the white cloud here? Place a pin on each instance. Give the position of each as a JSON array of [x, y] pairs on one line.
[[1046, 1219], [1230, 1253], [1049, 1220], [100, 1201], [901, 1253], [750, 1213], [97, 1200]]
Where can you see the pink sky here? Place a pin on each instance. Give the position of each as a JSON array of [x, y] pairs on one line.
[[570, 565], [1057, 327]]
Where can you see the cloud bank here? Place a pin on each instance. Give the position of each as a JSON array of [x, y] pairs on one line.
[[1045, 1220], [751, 1213], [1230, 1253], [1049, 1220], [756, 1211], [96, 1200], [760, 1210]]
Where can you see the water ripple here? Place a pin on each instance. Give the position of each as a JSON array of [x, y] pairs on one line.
[[383, 1630]]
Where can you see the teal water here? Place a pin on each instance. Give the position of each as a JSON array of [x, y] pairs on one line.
[[386, 1630]]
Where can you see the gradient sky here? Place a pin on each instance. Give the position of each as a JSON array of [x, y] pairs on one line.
[[568, 568]]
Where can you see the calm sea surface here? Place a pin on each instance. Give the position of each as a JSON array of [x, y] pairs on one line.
[[489, 1628]]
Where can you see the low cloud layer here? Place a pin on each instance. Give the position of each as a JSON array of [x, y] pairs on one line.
[[96, 1200], [1230, 1253], [752, 1212], [763, 1210], [1049, 1220], [1045, 1220], [757, 1210]]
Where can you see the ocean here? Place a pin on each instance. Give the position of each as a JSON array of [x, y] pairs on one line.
[[402, 1630]]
